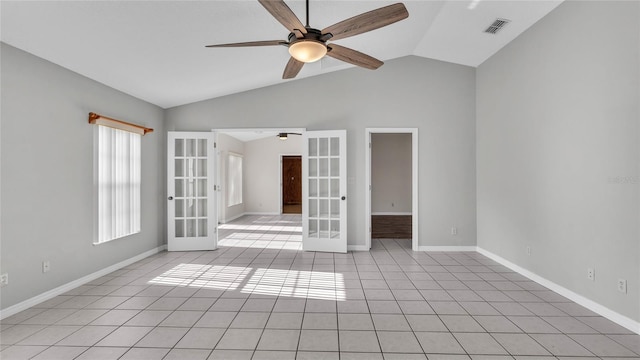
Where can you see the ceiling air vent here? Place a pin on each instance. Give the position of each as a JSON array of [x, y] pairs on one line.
[[496, 26]]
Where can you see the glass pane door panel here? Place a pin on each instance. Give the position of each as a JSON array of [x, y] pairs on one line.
[[313, 208], [313, 187], [179, 147], [335, 208], [202, 208], [313, 167], [313, 228], [191, 147], [191, 212], [202, 187], [313, 147], [335, 229], [324, 208], [324, 188], [335, 167], [179, 189], [179, 228], [202, 168], [335, 188], [191, 208], [179, 209], [202, 148], [324, 229], [179, 168], [324, 167], [191, 227], [323, 144], [202, 227], [335, 146]]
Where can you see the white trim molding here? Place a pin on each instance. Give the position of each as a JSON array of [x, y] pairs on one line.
[[233, 218], [414, 182], [357, 248], [24, 305], [261, 213], [617, 318]]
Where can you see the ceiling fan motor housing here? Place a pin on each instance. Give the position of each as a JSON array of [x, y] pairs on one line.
[[308, 47]]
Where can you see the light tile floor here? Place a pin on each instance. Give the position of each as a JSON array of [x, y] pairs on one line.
[[259, 297]]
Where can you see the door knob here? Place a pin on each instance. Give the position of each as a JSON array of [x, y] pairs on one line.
[[170, 198], [343, 198]]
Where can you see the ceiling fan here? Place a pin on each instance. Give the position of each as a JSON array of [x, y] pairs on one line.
[[307, 44], [285, 135]]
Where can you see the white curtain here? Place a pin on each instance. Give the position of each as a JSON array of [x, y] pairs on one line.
[[234, 181], [119, 166]]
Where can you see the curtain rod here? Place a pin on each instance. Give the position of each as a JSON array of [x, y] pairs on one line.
[[118, 124]]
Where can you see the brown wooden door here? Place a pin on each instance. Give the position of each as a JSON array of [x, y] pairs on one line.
[[291, 180]]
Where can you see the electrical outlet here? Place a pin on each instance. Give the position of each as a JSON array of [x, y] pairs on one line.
[[591, 274], [622, 286], [4, 280], [46, 266], [529, 250], [454, 231]]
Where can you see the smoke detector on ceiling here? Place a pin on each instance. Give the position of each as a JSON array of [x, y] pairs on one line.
[[496, 26]]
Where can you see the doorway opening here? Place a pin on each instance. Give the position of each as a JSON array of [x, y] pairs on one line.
[[392, 191], [256, 219], [291, 184]]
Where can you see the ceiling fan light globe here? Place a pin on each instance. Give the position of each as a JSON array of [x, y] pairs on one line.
[[308, 50]]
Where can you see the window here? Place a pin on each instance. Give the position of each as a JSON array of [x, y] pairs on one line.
[[234, 180], [118, 174]]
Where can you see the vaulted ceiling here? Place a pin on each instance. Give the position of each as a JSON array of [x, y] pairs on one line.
[[154, 50]]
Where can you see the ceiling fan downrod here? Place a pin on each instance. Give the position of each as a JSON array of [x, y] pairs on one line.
[[307, 13]]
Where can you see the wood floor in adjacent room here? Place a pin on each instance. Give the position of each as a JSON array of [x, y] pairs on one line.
[[260, 297], [391, 227]]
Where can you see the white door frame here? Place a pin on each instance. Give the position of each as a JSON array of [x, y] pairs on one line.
[[414, 180], [277, 130]]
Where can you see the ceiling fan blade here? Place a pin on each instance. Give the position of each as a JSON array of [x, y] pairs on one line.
[[367, 21], [251, 43], [292, 69], [353, 57], [279, 10]]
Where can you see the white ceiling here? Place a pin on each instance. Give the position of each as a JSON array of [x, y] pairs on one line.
[[154, 50], [250, 135]]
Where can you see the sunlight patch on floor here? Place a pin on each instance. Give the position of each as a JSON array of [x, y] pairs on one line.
[[297, 283], [321, 285]]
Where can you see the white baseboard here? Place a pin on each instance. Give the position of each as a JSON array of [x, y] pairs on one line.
[[261, 213], [233, 218], [357, 248], [617, 318], [447, 248], [391, 213], [14, 309]]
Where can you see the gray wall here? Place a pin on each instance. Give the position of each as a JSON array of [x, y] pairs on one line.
[[437, 98], [391, 173], [557, 150], [47, 175], [263, 172]]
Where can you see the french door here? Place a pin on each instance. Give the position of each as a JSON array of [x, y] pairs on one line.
[[324, 194], [191, 203]]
